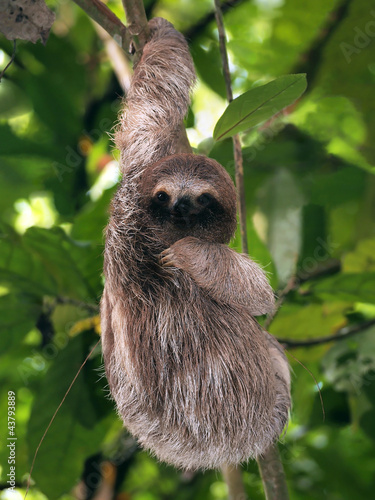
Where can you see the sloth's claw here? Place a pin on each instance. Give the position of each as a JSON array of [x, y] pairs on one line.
[[166, 258]]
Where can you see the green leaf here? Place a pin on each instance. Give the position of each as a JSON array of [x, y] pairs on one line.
[[208, 64], [68, 442], [282, 200], [259, 104], [18, 315], [361, 259], [307, 321], [19, 269], [48, 262], [353, 287], [74, 266]]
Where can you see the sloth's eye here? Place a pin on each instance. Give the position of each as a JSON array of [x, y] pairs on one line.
[[162, 197], [204, 199]]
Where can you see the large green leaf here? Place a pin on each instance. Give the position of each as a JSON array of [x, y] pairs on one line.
[[361, 259], [75, 267], [20, 269], [69, 441], [259, 104], [307, 321], [18, 315], [48, 262], [208, 65], [353, 287], [282, 200]]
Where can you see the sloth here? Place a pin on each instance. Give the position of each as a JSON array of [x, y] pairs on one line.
[[193, 375]]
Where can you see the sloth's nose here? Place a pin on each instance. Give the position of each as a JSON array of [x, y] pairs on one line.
[[182, 207]]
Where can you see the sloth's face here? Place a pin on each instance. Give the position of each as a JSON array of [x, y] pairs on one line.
[[190, 195], [185, 204]]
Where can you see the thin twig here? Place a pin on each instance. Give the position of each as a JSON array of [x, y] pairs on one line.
[[11, 59], [232, 475], [236, 140], [102, 15], [342, 334], [198, 28], [238, 161]]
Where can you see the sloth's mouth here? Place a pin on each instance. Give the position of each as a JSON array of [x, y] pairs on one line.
[[183, 221]]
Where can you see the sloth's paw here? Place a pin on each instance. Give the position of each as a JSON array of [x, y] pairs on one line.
[[168, 258]]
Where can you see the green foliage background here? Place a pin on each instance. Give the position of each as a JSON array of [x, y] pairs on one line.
[[310, 190]]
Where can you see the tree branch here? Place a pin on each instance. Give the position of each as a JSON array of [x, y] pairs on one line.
[[137, 26], [342, 334], [101, 14]]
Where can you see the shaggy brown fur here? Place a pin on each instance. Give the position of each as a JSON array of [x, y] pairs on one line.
[[193, 375]]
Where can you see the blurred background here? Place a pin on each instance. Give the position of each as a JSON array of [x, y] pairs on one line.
[[310, 187]]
